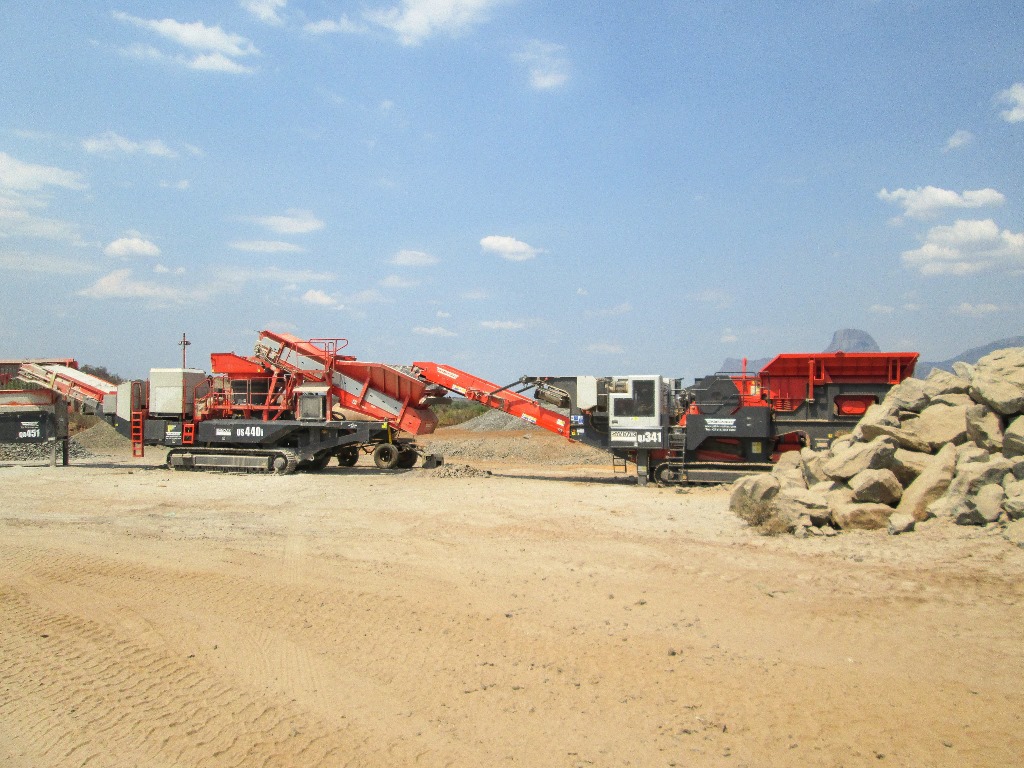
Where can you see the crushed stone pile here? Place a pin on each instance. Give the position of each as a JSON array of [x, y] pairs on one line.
[[458, 470], [532, 448], [99, 440], [950, 446], [495, 421]]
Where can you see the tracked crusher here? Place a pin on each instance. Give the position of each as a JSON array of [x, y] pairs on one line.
[[298, 404]]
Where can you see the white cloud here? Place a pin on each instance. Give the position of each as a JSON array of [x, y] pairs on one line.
[[162, 269], [369, 296], [319, 298], [294, 222], [443, 315], [502, 325], [218, 62], [183, 184], [509, 248], [265, 10], [17, 220], [42, 264], [975, 310], [237, 275], [16, 175], [413, 259], [617, 311], [582, 292], [728, 336], [967, 247], [717, 298], [119, 284], [1014, 96], [959, 139], [342, 25], [911, 307], [265, 246], [434, 330], [110, 142], [414, 21], [132, 245], [603, 348], [211, 48], [395, 281], [881, 309], [549, 69], [924, 202]]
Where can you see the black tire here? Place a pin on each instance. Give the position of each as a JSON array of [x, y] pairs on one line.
[[319, 463], [385, 456], [348, 457], [279, 464], [663, 475], [407, 459]]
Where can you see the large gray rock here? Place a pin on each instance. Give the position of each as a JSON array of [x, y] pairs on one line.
[[1014, 533], [1013, 486], [930, 485], [753, 489], [793, 504], [868, 517], [840, 444], [909, 395], [981, 509], [998, 381], [952, 399], [1014, 507], [940, 382], [940, 424], [812, 463], [960, 501], [963, 370], [985, 428], [900, 522], [876, 485], [969, 453], [1013, 438], [908, 465], [877, 415], [904, 438], [877, 454]]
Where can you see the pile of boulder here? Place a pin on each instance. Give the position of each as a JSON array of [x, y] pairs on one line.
[[948, 446]]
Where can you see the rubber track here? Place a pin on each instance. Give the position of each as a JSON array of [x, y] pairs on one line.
[[293, 460]]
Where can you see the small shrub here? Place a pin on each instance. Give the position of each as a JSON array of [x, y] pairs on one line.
[[761, 515], [452, 412]]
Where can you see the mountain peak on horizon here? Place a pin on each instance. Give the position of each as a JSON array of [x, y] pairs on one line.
[[852, 340]]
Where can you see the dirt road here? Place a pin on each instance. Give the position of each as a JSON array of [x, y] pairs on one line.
[[538, 617]]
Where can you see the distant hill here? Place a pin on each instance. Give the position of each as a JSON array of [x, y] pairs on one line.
[[970, 356], [852, 340], [845, 340]]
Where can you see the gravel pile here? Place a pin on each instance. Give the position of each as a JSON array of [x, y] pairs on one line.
[[99, 440], [495, 421], [458, 470], [533, 448]]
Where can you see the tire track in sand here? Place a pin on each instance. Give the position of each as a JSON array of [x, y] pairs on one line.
[[77, 692]]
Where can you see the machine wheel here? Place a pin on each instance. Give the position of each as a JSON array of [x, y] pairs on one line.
[[385, 456], [664, 475], [348, 457], [319, 462], [279, 465], [407, 459]]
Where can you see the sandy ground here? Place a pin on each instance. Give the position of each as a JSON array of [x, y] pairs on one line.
[[543, 616]]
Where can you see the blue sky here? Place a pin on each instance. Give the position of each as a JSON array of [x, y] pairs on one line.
[[510, 186]]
